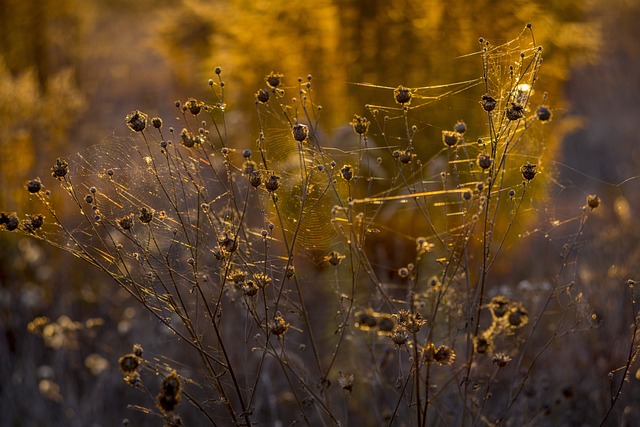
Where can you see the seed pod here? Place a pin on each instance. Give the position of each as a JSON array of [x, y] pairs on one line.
[[543, 113], [450, 138], [300, 132], [485, 161], [360, 124], [528, 171], [515, 112], [136, 121], [347, 172], [402, 95], [489, 103], [34, 186], [60, 169], [262, 95], [273, 183], [274, 79]]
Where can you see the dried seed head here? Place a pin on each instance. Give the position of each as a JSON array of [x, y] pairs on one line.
[[34, 186], [126, 222], [593, 201], [543, 113], [10, 222], [156, 122], [249, 288], [406, 156], [273, 183], [346, 381], [335, 258], [274, 79], [32, 223], [428, 353], [136, 121], [444, 355], [460, 127], [188, 139], [262, 280], [88, 198], [482, 344], [360, 125], [263, 95], [515, 112], [146, 215], [399, 336], [255, 179], [300, 132], [450, 138], [347, 172], [170, 393], [484, 161], [194, 106], [528, 171], [137, 350], [60, 169], [518, 316], [489, 103], [501, 359], [499, 305], [402, 95], [278, 326], [129, 363]]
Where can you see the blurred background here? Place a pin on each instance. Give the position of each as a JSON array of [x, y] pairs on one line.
[[71, 70]]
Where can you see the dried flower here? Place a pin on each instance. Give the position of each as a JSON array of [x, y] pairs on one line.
[[518, 316], [278, 326], [347, 172], [136, 121], [450, 138], [399, 336], [126, 222], [262, 95], [34, 186], [484, 161], [170, 393], [360, 124], [32, 223], [515, 112], [543, 113], [488, 103], [274, 79], [444, 355], [273, 183], [460, 127], [483, 344], [593, 201], [255, 179], [60, 169], [262, 279], [528, 171], [335, 258], [300, 132], [156, 122], [194, 106], [498, 305], [501, 359], [129, 363], [406, 156], [346, 381], [402, 95], [146, 215]]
